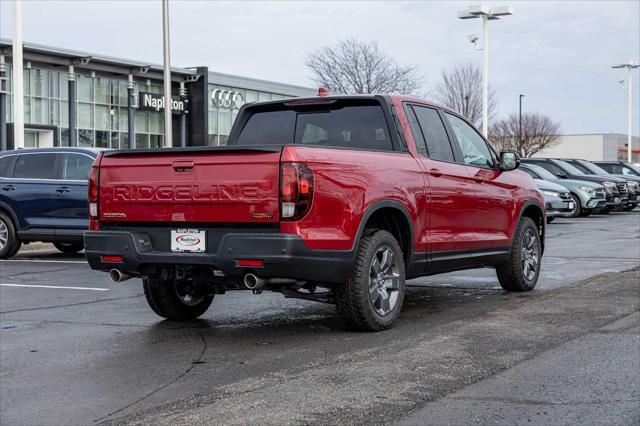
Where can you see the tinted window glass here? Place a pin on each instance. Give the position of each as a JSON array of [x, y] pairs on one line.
[[475, 151], [268, 128], [624, 170], [530, 172], [435, 135], [35, 166], [550, 167], [581, 167], [76, 167], [611, 168], [363, 127], [568, 167], [5, 165], [355, 126]]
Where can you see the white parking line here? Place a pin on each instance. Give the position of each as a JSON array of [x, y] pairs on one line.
[[56, 287], [43, 261]]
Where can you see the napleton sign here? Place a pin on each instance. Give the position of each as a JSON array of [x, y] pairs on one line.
[[154, 102]]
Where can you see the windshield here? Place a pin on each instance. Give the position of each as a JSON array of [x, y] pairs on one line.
[[568, 167], [633, 169], [543, 173], [592, 168]]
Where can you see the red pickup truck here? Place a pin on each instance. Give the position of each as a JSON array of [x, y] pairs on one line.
[[334, 199]]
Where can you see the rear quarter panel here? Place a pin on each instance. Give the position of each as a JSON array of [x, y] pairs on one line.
[[347, 183]]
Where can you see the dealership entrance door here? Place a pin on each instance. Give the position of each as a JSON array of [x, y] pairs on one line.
[[38, 138]]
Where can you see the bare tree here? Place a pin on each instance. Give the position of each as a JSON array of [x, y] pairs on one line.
[[354, 67], [461, 90], [538, 132]]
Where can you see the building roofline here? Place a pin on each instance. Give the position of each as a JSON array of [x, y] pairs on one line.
[[39, 53], [69, 55], [224, 79]]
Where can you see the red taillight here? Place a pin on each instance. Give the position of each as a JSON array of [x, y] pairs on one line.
[[93, 193], [296, 190], [251, 262], [112, 259]]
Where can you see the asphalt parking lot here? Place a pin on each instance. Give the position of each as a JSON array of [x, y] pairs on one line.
[[76, 348]]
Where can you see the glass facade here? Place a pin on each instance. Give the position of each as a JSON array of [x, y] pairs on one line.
[[224, 104], [102, 119]]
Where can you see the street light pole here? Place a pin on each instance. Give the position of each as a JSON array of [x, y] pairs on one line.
[[487, 15], [168, 130], [18, 79], [485, 75], [520, 119], [629, 66]]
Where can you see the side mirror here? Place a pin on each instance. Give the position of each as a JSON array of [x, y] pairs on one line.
[[562, 175], [509, 161]]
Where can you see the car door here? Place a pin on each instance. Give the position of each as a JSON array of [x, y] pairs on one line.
[[495, 192], [34, 182], [451, 197], [70, 197]]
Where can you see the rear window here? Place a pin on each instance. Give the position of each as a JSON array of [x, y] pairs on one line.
[[35, 166], [350, 126]]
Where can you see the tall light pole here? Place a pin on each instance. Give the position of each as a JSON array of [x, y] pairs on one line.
[[629, 66], [520, 118], [18, 88], [487, 14], [168, 130]]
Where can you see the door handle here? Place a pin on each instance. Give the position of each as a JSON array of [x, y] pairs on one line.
[[63, 189], [8, 188], [435, 172]]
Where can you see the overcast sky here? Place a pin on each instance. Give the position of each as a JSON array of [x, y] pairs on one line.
[[559, 54]]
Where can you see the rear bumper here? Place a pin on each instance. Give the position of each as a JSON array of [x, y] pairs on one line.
[[284, 256]]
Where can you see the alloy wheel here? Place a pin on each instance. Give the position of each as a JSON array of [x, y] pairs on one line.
[[4, 234], [384, 281], [530, 252]]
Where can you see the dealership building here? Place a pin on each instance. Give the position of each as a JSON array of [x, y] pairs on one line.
[[108, 94], [593, 147]]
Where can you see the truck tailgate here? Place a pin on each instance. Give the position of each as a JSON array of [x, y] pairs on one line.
[[223, 185]]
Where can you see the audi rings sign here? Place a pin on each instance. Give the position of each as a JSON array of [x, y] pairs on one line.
[[227, 99]]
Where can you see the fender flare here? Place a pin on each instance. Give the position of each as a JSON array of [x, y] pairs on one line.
[[526, 205], [374, 208]]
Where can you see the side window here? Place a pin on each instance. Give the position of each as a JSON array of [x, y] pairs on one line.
[[76, 167], [6, 166], [35, 166], [475, 151], [436, 142]]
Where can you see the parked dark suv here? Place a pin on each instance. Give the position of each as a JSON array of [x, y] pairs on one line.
[[563, 170], [43, 197]]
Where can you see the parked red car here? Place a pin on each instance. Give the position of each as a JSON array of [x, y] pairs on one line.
[[334, 199]]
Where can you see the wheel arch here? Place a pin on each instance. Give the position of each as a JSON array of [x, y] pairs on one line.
[[535, 211], [4, 207], [395, 218]]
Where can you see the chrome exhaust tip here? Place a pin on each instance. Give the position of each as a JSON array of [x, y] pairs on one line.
[[253, 282], [117, 276]]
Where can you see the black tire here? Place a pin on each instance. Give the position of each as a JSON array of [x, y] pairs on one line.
[[550, 219], [353, 300], [578, 211], [69, 247], [163, 298], [512, 274], [630, 207], [9, 242]]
